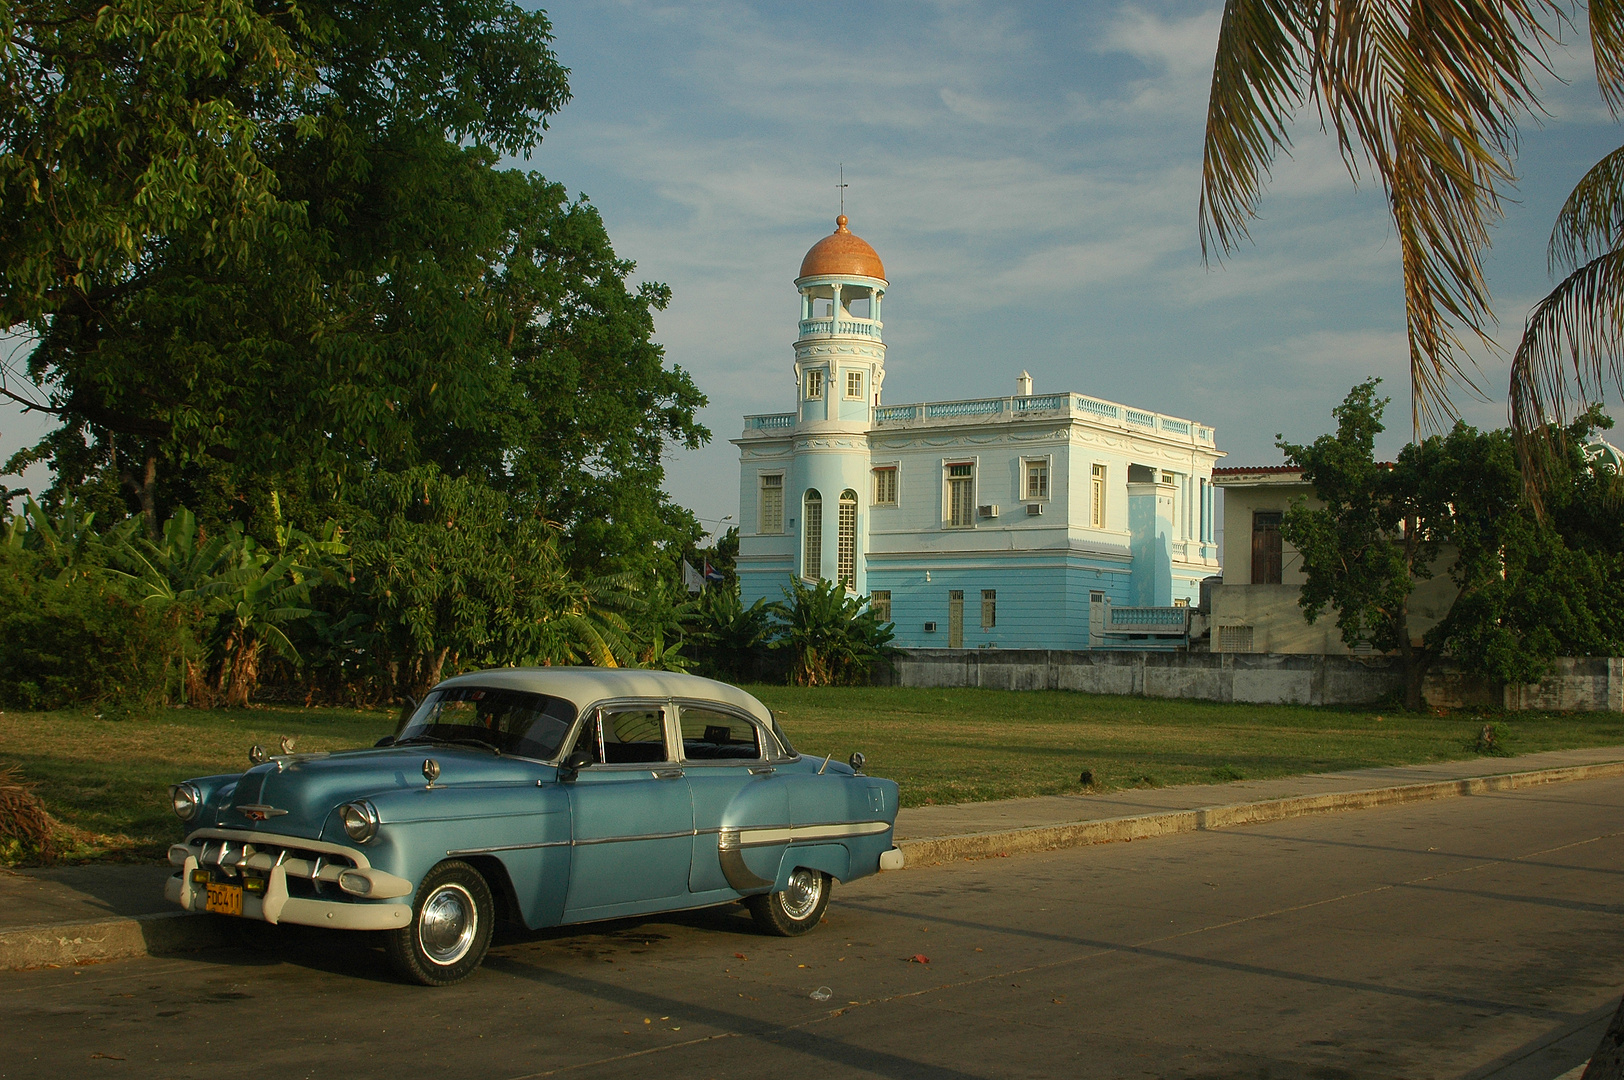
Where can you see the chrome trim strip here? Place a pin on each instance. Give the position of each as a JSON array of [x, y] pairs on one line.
[[641, 836], [508, 847], [795, 833]]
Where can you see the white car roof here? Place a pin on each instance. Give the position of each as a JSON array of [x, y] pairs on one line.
[[585, 685]]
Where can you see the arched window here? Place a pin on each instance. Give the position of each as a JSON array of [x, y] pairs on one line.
[[812, 546], [846, 553]]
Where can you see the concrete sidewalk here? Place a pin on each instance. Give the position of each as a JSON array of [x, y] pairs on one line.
[[929, 834], [82, 914]]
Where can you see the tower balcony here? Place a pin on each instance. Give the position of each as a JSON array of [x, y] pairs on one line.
[[846, 326]]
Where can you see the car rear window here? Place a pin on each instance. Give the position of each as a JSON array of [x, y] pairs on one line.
[[512, 721]]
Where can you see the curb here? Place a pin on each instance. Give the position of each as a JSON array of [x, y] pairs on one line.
[[943, 849], [67, 944]]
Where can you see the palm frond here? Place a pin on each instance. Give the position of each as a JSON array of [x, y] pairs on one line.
[[1571, 350], [1607, 43], [1592, 219], [1428, 95], [1258, 82]]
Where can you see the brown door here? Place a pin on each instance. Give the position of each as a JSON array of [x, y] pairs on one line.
[[1265, 549], [955, 619]]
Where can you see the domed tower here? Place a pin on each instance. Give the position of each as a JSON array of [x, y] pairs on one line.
[[839, 371]]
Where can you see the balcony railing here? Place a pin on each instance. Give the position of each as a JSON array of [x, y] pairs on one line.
[[769, 421], [1020, 407], [840, 327]]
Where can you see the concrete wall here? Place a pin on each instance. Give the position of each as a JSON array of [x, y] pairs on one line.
[[1277, 622], [1591, 683]]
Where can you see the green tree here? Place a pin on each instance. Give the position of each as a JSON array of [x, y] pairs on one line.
[[1527, 588], [1428, 95], [399, 301], [454, 578]]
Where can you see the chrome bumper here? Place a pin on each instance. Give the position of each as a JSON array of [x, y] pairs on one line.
[[276, 906], [276, 857]]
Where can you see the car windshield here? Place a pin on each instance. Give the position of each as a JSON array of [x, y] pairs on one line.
[[511, 721]]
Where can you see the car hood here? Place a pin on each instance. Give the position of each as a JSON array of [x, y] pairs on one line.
[[296, 794]]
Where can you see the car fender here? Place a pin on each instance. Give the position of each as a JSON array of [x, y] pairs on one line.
[[832, 859], [525, 828]]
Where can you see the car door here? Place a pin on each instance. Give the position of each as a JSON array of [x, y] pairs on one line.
[[631, 813], [741, 807]]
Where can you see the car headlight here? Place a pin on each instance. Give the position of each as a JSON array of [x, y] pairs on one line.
[[187, 799], [360, 820]]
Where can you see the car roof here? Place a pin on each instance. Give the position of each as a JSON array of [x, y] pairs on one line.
[[585, 685]]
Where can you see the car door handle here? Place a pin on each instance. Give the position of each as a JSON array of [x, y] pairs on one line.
[[668, 774], [761, 770]]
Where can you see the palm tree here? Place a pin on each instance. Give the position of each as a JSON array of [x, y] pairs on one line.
[[1427, 94]]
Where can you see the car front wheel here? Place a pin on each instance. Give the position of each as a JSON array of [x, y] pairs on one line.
[[798, 908], [450, 930]]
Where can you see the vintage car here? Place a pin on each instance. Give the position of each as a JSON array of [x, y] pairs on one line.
[[540, 795]]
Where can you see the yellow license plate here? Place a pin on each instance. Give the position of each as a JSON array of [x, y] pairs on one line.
[[226, 899]]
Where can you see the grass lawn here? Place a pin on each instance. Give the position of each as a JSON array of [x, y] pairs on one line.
[[110, 777]]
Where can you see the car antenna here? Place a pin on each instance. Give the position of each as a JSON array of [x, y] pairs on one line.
[[825, 764]]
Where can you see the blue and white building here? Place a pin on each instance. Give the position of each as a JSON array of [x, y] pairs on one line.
[[994, 522]]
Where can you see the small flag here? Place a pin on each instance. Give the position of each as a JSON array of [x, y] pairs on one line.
[[692, 580], [713, 575]]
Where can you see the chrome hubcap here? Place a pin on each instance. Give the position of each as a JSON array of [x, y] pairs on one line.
[[446, 928], [804, 892]]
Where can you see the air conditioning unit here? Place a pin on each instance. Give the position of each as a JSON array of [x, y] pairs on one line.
[[1034, 509], [930, 628], [987, 511]]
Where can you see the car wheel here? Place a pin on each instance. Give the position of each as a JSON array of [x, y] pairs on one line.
[[451, 926], [798, 908]]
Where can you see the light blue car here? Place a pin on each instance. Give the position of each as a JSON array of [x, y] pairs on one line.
[[543, 796]]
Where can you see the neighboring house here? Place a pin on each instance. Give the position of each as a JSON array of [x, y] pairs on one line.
[[1255, 609], [994, 522]]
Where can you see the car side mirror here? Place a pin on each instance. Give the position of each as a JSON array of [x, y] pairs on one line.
[[574, 764], [387, 740]]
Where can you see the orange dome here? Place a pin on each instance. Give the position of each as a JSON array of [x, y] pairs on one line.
[[844, 254]]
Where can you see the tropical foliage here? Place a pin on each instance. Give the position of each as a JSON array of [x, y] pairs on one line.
[[1428, 95], [833, 638], [1527, 587]]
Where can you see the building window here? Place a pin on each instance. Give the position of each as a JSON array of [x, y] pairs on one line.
[[1096, 512], [879, 602], [771, 506], [1266, 550], [885, 486], [961, 496], [846, 553], [812, 528], [854, 385], [1167, 478], [1037, 479], [814, 384], [989, 608], [955, 618]]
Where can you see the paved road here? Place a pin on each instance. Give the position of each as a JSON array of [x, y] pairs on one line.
[[1476, 937]]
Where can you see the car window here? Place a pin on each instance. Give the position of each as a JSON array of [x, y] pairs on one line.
[[624, 736], [512, 721], [713, 735]]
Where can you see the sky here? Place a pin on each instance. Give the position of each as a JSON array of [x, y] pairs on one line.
[[1029, 174]]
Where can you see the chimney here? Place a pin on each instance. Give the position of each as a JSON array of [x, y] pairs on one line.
[[1023, 384]]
